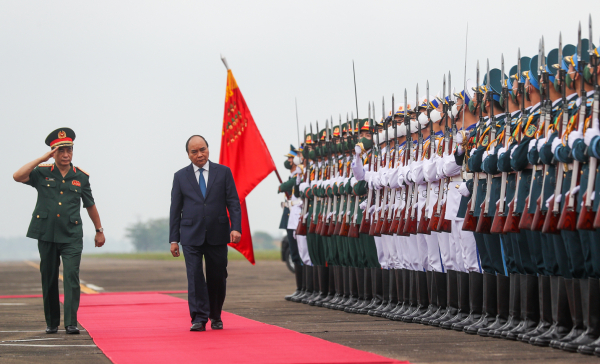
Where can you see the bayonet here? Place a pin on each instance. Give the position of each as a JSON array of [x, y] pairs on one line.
[[590, 48]]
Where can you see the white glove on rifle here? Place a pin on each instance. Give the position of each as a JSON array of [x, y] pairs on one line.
[[532, 143], [590, 134], [540, 143], [575, 134], [555, 143], [463, 190]]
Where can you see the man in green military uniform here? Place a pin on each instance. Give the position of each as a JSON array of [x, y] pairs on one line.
[[56, 224]]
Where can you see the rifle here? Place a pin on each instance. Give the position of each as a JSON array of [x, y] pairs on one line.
[[343, 208], [301, 228], [553, 215], [332, 201], [484, 223], [392, 214], [336, 159], [401, 216], [345, 226], [513, 219], [500, 215], [470, 222], [313, 225], [410, 227], [568, 216], [586, 215], [539, 217], [381, 219], [445, 225], [387, 221], [365, 225], [324, 178], [373, 228], [423, 226]]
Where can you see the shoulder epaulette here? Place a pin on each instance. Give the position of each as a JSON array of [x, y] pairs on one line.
[[46, 165], [82, 171]]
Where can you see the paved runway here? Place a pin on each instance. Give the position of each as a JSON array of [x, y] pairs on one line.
[[255, 292]]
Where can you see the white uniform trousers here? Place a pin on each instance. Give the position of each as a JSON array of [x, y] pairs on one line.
[[380, 253], [303, 249], [466, 246]]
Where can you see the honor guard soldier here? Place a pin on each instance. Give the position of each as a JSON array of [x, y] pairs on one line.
[[291, 212], [56, 224]]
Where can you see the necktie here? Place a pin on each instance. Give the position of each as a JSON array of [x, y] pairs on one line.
[[202, 183]]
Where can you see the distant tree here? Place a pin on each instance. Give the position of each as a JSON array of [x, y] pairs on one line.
[[152, 235], [263, 241]]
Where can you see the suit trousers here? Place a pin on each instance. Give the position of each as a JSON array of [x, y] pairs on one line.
[[50, 255], [206, 296]]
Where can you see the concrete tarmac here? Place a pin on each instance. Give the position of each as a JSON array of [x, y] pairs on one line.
[[255, 292]]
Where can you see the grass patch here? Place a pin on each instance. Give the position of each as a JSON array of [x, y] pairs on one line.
[[233, 255]]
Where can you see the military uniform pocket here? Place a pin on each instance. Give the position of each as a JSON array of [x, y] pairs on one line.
[[38, 220], [75, 226]]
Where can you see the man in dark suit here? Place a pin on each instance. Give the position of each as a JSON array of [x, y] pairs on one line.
[[202, 194]]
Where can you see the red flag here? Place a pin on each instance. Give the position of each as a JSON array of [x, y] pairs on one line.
[[244, 151]]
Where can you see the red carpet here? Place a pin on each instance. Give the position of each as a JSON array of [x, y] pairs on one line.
[[154, 328]]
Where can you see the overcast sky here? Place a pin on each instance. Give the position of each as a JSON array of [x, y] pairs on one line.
[[135, 79]]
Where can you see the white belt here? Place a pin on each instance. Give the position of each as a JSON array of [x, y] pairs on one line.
[[482, 175], [456, 179]]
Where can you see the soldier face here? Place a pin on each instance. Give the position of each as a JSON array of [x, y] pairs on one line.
[[64, 156], [198, 151], [365, 134]]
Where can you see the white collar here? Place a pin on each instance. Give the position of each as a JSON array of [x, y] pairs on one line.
[[555, 102], [515, 113], [196, 168]]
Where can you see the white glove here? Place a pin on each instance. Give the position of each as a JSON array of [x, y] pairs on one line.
[[371, 209], [353, 181], [409, 177], [303, 186], [532, 144], [501, 151], [329, 215], [357, 150], [575, 134], [555, 143], [463, 190], [363, 205], [294, 234], [540, 143], [575, 190], [305, 216], [512, 151], [485, 155], [345, 180], [548, 202], [376, 182], [460, 150], [313, 183], [459, 138], [590, 134]]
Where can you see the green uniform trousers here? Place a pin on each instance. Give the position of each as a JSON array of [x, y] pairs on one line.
[[50, 255]]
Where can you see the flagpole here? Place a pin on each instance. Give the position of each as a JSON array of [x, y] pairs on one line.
[[276, 172]]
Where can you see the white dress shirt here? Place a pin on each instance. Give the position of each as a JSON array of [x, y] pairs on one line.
[[204, 173]]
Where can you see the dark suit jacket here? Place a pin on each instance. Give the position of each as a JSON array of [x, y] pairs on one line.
[[195, 219]]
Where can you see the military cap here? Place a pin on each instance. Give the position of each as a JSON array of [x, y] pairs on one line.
[[363, 125], [293, 152], [496, 83], [585, 56], [61, 137], [467, 93], [551, 59], [532, 74], [336, 131], [310, 139], [524, 67], [568, 51]]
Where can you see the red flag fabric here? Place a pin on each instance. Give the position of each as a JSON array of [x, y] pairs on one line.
[[244, 151]]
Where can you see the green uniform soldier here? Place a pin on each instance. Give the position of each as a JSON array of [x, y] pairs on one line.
[[56, 224]]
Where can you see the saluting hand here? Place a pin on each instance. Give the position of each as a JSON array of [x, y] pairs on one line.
[[234, 237], [49, 154]]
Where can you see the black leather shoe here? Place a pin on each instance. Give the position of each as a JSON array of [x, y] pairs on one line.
[[198, 326], [51, 330], [71, 329], [216, 325]]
